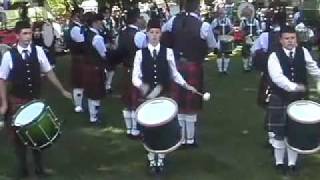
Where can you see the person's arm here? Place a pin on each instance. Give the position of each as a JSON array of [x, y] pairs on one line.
[[3, 97], [207, 34], [137, 74], [311, 65], [100, 46], [76, 35], [167, 27], [55, 81]]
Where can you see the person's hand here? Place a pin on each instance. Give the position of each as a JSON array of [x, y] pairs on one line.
[[300, 88], [66, 94], [190, 88], [144, 88], [155, 92]]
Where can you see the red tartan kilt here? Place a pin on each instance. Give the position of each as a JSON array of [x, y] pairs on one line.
[[94, 81], [188, 102], [77, 71], [131, 95]]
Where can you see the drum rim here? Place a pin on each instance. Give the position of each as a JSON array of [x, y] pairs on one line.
[[162, 123], [176, 146], [24, 106], [298, 120], [300, 151]]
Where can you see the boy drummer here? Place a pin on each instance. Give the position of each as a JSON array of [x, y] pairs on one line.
[[22, 67], [154, 66]]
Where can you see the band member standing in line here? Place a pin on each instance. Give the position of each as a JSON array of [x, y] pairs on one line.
[[76, 44], [22, 67], [185, 28], [288, 68], [155, 66]]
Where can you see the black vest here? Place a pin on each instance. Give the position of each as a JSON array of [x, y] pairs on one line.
[[93, 56], [219, 27], [127, 46], [25, 75], [187, 42], [247, 27], [157, 71], [294, 70], [75, 47]]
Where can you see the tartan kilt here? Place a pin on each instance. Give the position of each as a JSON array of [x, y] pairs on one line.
[[94, 81], [131, 96], [114, 58], [13, 105], [277, 117], [77, 75], [245, 51], [188, 102]]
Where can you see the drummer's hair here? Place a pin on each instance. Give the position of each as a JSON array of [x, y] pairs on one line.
[[287, 29], [94, 18], [191, 5], [22, 25]]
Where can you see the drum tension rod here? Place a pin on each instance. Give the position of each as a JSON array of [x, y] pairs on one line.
[[44, 132], [30, 138]]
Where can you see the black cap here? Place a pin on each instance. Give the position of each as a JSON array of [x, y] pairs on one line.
[[154, 23]]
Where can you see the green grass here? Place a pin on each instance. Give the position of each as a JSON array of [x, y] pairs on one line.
[[84, 152]]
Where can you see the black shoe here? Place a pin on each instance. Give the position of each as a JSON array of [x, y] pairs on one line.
[[281, 168], [109, 91], [225, 73], [292, 171]]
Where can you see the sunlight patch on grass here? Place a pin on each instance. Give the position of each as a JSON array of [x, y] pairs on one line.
[[93, 131]]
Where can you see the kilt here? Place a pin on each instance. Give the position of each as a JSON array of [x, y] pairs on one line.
[[245, 51], [77, 64], [188, 102], [94, 81], [114, 58], [13, 105], [277, 117], [131, 96]]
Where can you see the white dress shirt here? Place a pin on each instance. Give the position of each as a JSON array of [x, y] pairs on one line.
[[205, 31], [276, 73], [137, 74], [7, 64], [76, 34], [98, 43]]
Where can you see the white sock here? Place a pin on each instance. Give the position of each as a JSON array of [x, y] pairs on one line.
[[160, 159], [94, 106], [292, 157], [77, 97], [245, 63], [109, 75], [190, 127], [182, 123], [134, 130], [127, 119], [219, 64], [250, 62], [279, 155], [226, 64], [151, 158]]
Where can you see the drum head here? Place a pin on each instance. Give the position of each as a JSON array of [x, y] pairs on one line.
[[47, 34], [156, 112], [28, 113], [303, 111]]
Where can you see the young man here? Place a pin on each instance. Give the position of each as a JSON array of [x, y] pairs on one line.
[[94, 64], [22, 67], [154, 66], [288, 67]]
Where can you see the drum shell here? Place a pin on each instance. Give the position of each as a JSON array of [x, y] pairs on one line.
[[162, 137], [304, 138]]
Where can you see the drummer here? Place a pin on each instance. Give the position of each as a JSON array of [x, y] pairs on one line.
[[251, 27], [288, 67], [222, 26], [21, 67], [154, 67]]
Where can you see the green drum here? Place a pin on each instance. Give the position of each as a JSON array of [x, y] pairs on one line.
[[303, 131], [160, 127], [36, 124]]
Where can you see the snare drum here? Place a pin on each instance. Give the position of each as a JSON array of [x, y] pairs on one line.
[[226, 43], [36, 124], [303, 133], [161, 129]]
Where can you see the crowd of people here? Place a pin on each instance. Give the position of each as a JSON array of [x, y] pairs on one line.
[[157, 59]]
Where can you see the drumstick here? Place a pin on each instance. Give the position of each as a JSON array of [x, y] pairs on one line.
[[205, 96]]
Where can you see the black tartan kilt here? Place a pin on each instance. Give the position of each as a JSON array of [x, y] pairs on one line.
[[114, 58], [245, 52], [188, 102], [94, 81]]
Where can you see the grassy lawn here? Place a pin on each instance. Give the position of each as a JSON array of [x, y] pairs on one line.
[[84, 152]]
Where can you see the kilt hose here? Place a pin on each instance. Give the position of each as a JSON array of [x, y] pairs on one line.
[[277, 117], [188, 102], [94, 81], [131, 96], [77, 65]]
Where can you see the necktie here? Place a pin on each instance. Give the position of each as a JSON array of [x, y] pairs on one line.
[[154, 54], [291, 55], [25, 54]]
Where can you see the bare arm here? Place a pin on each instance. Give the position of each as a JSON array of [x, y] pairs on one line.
[[55, 81], [3, 97]]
